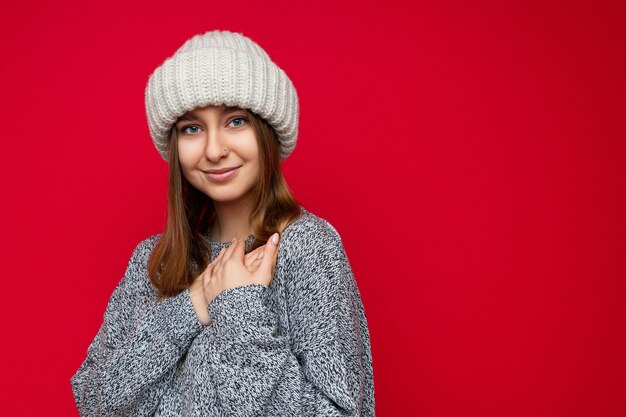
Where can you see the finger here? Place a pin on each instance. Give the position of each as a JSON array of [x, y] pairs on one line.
[[217, 258], [270, 250], [208, 272], [254, 263], [253, 253], [217, 263], [251, 257], [206, 276], [229, 251], [239, 250]]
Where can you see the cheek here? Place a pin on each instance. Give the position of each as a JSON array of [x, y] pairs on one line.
[[252, 150], [186, 154], [254, 164], [253, 169]]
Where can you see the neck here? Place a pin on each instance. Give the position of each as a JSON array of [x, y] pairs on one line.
[[232, 219]]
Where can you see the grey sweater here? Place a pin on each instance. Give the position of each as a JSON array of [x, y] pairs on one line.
[[299, 347]]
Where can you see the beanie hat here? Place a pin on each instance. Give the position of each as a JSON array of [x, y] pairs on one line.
[[215, 68]]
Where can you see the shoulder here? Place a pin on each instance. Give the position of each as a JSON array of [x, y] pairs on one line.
[[310, 238], [143, 249], [309, 234], [312, 262], [136, 276]]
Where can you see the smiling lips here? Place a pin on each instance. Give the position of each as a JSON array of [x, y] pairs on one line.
[[221, 174]]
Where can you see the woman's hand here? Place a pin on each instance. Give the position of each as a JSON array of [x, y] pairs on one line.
[[230, 269]]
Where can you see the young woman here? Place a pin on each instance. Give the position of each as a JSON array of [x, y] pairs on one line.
[[246, 304]]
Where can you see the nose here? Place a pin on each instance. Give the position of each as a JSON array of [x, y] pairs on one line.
[[214, 150]]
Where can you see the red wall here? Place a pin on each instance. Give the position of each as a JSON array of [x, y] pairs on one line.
[[471, 155]]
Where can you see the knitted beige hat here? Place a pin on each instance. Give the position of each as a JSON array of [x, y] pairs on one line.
[[221, 67]]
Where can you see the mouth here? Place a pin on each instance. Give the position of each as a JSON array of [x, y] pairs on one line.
[[219, 175], [219, 171]]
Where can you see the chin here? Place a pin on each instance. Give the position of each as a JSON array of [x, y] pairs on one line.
[[224, 197]]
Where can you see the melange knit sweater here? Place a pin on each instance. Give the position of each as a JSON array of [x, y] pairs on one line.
[[298, 347]]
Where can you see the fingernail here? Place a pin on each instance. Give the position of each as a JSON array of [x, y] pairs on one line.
[[260, 255], [275, 238], [235, 238]]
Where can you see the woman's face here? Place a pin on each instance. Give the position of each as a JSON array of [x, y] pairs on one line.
[[203, 134]]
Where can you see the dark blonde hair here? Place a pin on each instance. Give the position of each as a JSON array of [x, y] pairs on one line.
[[182, 251]]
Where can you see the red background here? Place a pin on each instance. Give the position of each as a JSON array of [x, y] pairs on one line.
[[470, 154]]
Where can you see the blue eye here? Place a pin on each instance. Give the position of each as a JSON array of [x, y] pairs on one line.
[[239, 118], [184, 129], [236, 122]]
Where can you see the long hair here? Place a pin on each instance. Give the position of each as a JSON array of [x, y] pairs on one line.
[[182, 251]]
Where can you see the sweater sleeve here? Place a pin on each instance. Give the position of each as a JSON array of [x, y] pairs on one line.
[[323, 368], [133, 356]]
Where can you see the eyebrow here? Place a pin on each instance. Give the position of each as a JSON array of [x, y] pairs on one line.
[[225, 110]]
